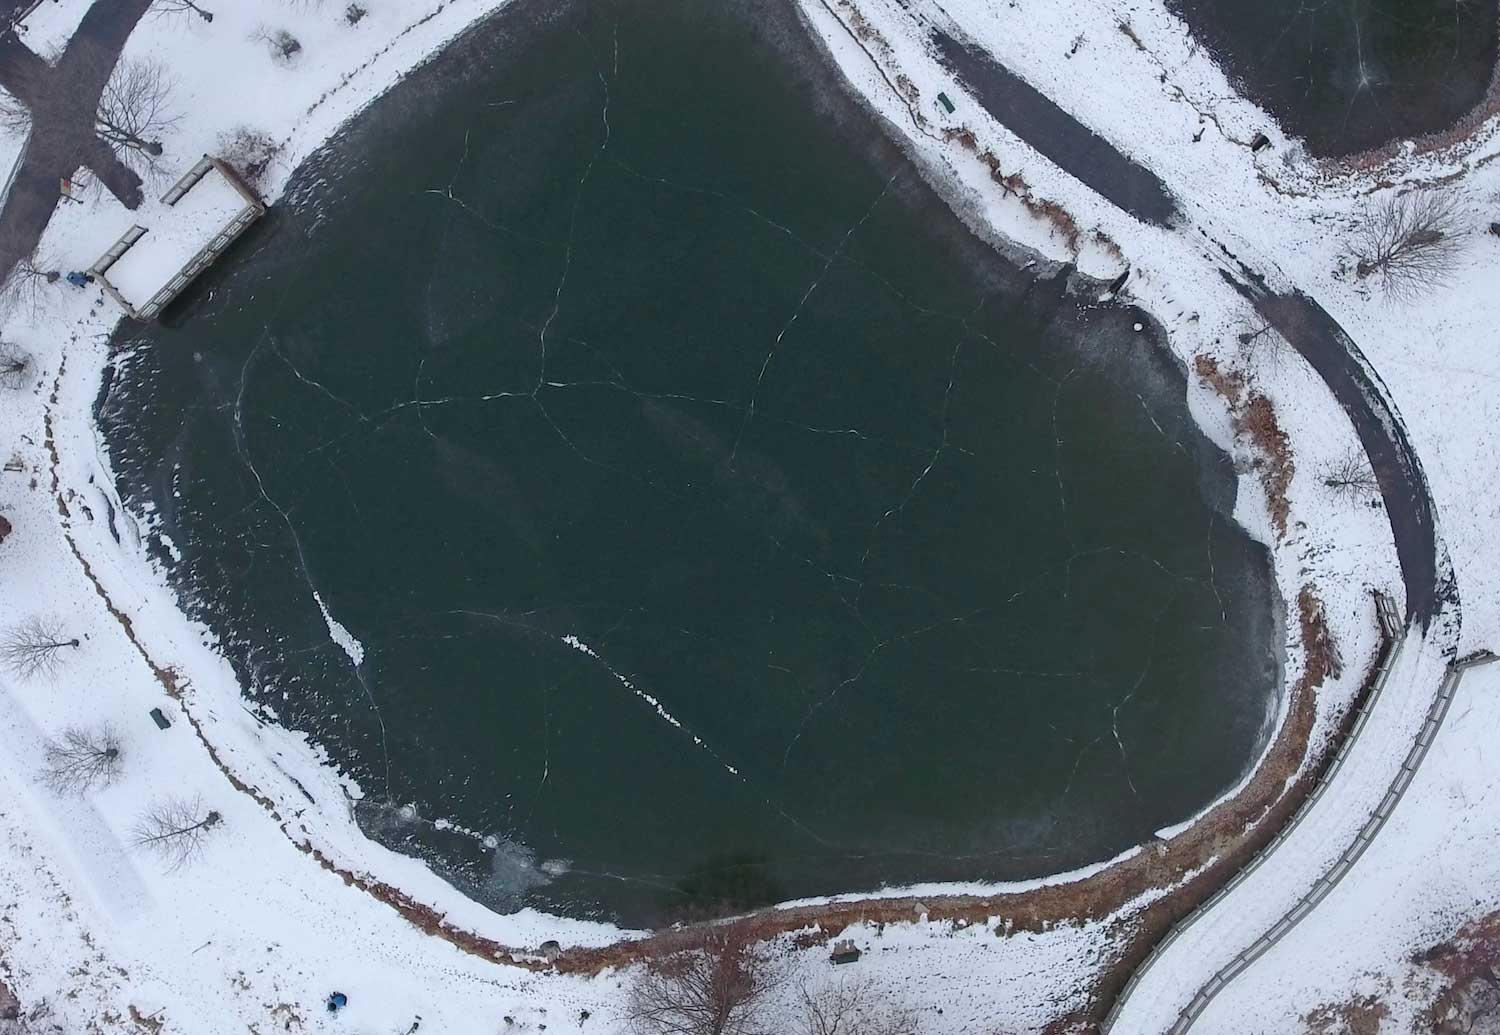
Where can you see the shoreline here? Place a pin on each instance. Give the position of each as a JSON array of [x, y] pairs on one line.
[[347, 859], [325, 160], [953, 898]]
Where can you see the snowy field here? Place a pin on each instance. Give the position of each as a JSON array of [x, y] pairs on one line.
[[256, 933]]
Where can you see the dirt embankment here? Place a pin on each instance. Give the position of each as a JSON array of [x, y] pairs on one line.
[[1201, 860], [1255, 418]]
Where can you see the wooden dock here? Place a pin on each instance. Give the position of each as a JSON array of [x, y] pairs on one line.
[[219, 239]]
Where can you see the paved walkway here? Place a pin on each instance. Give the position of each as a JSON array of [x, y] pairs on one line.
[[1068, 143], [1308, 859], [62, 99], [1089, 158]]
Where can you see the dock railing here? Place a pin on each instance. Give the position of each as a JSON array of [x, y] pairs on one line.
[[253, 209], [1393, 641]]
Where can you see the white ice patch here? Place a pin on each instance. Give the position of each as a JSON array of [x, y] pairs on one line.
[[584, 648], [171, 548], [340, 635]]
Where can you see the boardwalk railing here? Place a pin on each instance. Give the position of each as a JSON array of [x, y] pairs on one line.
[[1325, 884], [119, 248], [199, 262], [197, 172], [1391, 630], [20, 15], [253, 209]]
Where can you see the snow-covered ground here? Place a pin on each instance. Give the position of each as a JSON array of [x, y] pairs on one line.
[[1431, 869], [257, 932]]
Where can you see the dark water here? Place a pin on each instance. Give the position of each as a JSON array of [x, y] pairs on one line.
[[1348, 75], [721, 520]]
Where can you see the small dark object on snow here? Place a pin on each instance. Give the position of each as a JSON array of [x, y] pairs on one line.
[[162, 722], [79, 280], [1119, 282], [845, 952], [946, 103], [1260, 142], [337, 1001], [1495, 229]]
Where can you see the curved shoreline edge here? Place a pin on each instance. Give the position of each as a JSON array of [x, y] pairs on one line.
[[954, 901], [1264, 814]]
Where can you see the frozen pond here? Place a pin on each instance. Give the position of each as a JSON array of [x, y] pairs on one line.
[[631, 471], [1353, 74]]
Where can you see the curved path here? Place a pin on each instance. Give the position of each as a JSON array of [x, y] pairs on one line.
[[1362, 395], [1147, 1001], [1316, 335], [1306, 860]]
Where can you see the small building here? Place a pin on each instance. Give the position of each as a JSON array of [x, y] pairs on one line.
[[845, 952], [197, 220], [946, 103]]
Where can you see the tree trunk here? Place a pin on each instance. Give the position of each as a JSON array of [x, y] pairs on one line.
[[123, 182]]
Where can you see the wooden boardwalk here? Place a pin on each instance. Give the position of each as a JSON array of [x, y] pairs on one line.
[[203, 258]]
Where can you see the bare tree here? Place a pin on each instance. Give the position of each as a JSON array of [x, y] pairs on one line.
[[181, 7], [134, 110], [1410, 243], [251, 151], [37, 1019], [82, 759], [1349, 475], [15, 366], [34, 648], [15, 117], [718, 989], [25, 288], [1260, 343], [176, 829], [851, 1008], [283, 45]]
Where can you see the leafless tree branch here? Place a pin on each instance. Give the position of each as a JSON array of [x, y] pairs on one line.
[[1349, 475], [1261, 344], [1410, 243], [251, 151], [182, 7], [134, 110], [35, 647], [851, 1008], [82, 759], [283, 45], [26, 287], [15, 366], [719, 989], [15, 117], [176, 829]]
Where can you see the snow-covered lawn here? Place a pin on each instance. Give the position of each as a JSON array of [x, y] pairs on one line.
[[256, 932], [1432, 868]]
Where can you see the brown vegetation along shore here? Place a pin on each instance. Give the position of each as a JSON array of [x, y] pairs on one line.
[[1197, 862], [1194, 863], [1255, 418]]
